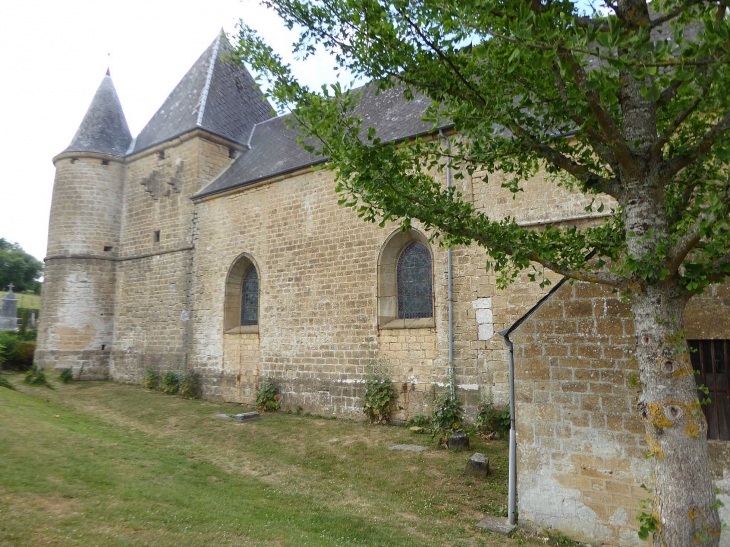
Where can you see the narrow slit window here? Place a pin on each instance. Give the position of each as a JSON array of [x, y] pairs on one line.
[[156, 236], [415, 290], [107, 248], [710, 360], [250, 298]]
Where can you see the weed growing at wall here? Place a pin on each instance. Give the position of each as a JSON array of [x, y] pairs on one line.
[[189, 388], [448, 413], [66, 376], [35, 377], [379, 395], [151, 379], [267, 396], [171, 382], [492, 418]]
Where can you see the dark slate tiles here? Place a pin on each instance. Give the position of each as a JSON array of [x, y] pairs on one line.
[[104, 128], [274, 149], [216, 95]]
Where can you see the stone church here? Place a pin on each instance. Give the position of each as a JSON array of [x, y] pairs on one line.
[[213, 241]]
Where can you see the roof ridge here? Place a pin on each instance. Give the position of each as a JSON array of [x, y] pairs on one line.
[[208, 80]]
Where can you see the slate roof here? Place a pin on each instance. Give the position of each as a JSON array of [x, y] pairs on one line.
[[274, 149], [104, 128], [216, 95]]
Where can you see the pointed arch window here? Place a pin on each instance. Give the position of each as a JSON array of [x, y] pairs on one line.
[[241, 303], [415, 290], [250, 297]]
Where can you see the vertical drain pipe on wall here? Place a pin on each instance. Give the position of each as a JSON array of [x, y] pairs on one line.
[[512, 488], [449, 278]]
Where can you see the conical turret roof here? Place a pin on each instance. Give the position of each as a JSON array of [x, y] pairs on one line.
[[216, 95], [104, 128]]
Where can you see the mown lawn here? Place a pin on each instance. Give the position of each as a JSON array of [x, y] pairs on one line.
[[99, 463]]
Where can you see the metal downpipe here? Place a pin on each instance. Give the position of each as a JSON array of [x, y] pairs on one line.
[[449, 277], [512, 492]]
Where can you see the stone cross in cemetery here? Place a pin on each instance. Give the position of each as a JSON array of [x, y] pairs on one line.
[[9, 311]]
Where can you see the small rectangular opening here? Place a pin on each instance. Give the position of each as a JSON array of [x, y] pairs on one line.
[[232, 153], [105, 162], [161, 154], [103, 347], [156, 236], [107, 248]]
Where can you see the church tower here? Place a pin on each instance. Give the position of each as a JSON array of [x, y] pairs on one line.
[[77, 306]]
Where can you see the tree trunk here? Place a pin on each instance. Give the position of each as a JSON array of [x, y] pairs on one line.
[[676, 430]]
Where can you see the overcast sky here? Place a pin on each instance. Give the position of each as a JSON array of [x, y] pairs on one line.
[[53, 56]]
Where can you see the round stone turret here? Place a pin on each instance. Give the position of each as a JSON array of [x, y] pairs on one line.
[[77, 305]]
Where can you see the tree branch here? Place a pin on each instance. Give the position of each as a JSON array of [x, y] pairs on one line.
[[602, 278], [687, 242], [441, 55], [681, 117], [676, 164], [673, 14]]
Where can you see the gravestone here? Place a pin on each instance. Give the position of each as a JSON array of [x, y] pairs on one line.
[[9, 311]]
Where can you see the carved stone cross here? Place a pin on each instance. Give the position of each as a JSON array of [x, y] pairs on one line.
[[10, 287]]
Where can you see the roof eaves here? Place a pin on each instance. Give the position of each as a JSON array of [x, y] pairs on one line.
[[259, 179], [174, 137], [320, 161]]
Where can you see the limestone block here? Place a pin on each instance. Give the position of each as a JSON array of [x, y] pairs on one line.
[[484, 315], [486, 331], [482, 303], [477, 466]]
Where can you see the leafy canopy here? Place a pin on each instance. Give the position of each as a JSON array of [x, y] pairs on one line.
[[630, 106], [19, 268]]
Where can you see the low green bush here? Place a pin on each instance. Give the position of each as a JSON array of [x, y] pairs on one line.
[[66, 376], [151, 379], [35, 377], [16, 353], [419, 421], [448, 413], [171, 382], [189, 385], [379, 396], [267, 396], [493, 418]]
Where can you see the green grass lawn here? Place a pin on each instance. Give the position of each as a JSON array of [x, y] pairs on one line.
[[99, 463], [25, 300]]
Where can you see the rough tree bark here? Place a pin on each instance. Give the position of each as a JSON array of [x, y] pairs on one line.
[[676, 430]]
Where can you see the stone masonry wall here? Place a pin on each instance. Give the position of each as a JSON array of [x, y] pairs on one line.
[[581, 445], [155, 264], [318, 327], [77, 304]]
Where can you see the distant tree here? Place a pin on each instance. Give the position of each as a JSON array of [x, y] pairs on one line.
[[631, 104], [19, 268]]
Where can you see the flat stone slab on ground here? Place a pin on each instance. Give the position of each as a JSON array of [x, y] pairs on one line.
[[408, 447], [496, 524], [245, 417]]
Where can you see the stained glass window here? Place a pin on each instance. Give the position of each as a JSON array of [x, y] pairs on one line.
[[415, 295], [250, 298]]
